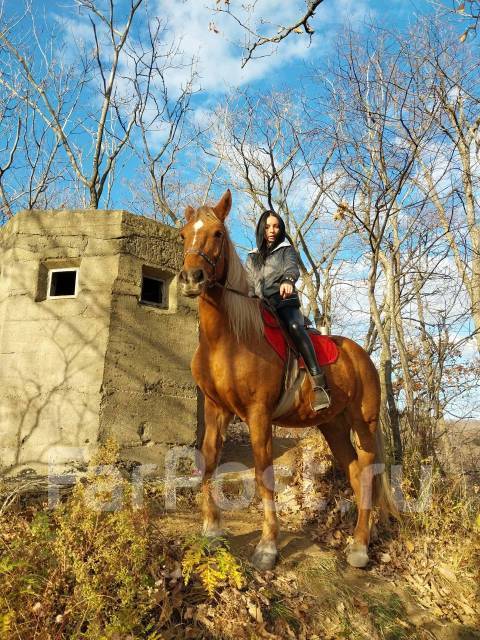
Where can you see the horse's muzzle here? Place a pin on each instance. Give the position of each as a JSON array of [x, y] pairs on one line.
[[192, 282]]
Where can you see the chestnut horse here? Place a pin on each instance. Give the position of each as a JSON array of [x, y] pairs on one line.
[[239, 373]]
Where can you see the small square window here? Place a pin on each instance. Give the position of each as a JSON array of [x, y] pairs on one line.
[[62, 283], [153, 290]]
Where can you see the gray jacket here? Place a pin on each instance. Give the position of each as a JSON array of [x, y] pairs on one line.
[[281, 265]]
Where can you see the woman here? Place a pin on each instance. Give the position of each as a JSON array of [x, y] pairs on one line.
[[272, 270]]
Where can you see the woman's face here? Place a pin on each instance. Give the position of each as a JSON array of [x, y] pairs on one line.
[[272, 229]]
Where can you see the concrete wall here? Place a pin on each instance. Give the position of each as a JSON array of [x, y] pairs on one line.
[[73, 369], [149, 398]]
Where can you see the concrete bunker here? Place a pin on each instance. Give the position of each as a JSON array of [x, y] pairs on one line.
[[94, 339]]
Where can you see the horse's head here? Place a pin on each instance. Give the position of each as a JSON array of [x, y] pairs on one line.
[[203, 236]]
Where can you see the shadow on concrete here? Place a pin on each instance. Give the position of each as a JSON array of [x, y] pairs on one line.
[[62, 366]]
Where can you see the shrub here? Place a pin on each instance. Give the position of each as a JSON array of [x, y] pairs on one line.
[[211, 560]]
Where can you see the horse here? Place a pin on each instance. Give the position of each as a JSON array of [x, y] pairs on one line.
[[240, 374]]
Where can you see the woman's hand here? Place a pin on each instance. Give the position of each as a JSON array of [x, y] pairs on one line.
[[286, 289]]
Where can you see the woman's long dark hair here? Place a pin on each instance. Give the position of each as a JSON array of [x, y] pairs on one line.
[[263, 248]]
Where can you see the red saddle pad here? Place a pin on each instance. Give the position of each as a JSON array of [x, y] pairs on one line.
[[325, 347]]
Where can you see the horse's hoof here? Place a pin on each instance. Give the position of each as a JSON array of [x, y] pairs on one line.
[[265, 557], [357, 555]]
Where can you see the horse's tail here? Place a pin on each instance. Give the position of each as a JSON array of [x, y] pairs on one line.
[[384, 498]]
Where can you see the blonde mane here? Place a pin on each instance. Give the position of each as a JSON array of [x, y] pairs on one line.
[[244, 314]]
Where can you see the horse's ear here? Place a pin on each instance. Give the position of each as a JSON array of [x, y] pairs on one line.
[[223, 206], [189, 211]]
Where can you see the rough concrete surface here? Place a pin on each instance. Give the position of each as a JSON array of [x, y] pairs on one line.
[[73, 370]]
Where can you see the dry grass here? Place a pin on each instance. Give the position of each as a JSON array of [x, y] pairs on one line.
[[80, 573], [431, 558]]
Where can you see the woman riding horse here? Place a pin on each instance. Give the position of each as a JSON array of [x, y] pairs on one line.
[[239, 373], [272, 271]]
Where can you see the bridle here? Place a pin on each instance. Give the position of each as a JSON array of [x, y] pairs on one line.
[[213, 263], [206, 257]]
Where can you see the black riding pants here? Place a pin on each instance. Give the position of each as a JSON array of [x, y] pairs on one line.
[[292, 318]]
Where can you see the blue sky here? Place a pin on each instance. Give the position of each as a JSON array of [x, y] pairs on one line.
[[213, 41], [218, 54]]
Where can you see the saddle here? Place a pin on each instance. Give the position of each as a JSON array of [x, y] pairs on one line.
[[295, 372]]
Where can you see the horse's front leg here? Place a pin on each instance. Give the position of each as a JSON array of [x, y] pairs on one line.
[[265, 555], [217, 419]]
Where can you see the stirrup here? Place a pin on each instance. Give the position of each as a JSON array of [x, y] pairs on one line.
[[321, 399]]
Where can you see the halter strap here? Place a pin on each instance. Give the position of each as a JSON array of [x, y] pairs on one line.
[[213, 264], [204, 256], [208, 259]]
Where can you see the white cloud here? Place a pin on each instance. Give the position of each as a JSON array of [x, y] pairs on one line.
[[470, 350], [75, 31], [202, 117], [218, 54]]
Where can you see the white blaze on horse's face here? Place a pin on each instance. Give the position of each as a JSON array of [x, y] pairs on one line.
[[197, 226]]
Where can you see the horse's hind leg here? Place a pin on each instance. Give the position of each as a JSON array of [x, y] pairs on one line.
[[357, 464], [216, 422], [366, 451]]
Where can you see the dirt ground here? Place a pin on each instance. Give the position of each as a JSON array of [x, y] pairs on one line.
[[320, 569], [306, 559]]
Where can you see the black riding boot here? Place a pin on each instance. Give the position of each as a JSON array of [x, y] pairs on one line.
[[293, 320]]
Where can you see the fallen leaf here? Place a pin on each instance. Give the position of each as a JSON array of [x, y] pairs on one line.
[[255, 611], [446, 572], [362, 606], [176, 573]]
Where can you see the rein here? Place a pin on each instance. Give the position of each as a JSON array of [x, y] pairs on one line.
[[224, 286]]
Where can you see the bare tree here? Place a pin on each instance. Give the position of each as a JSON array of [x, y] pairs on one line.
[[271, 157], [377, 133], [28, 166], [255, 36], [11, 138], [467, 10], [164, 127], [97, 100], [449, 171]]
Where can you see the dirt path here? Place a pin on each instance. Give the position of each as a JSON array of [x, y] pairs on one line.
[[381, 607], [334, 585]]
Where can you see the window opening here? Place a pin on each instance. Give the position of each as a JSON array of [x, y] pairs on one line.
[[153, 290], [62, 283]]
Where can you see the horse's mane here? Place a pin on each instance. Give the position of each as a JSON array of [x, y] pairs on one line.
[[244, 314]]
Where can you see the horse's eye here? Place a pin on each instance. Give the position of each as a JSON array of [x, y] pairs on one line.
[[182, 236], [218, 234]]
